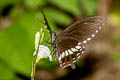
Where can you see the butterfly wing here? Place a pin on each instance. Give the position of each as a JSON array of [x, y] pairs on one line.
[[69, 44], [85, 29], [68, 51]]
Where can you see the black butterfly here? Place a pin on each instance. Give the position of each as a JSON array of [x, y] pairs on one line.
[[69, 44]]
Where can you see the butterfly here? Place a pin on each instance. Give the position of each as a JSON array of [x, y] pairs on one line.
[[69, 44]]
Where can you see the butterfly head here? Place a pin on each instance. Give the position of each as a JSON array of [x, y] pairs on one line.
[[53, 34]]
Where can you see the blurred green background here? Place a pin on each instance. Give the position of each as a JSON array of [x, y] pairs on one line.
[[20, 20]]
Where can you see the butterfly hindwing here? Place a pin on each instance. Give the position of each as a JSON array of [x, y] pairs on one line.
[[69, 51]]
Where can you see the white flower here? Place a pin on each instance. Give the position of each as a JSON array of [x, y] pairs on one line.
[[37, 39], [41, 35], [43, 52]]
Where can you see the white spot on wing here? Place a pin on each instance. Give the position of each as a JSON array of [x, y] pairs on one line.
[[66, 52], [63, 63], [65, 66], [89, 39], [74, 61], [78, 54], [83, 47], [70, 51], [68, 62], [78, 57], [84, 41], [93, 35], [79, 43], [62, 54], [60, 58], [78, 47], [82, 52], [73, 58], [96, 31], [73, 49]]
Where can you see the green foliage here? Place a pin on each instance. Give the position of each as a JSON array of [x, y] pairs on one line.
[[6, 73], [34, 3], [68, 5], [90, 6], [114, 39], [115, 17], [16, 43], [59, 17], [4, 3], [116, 57]]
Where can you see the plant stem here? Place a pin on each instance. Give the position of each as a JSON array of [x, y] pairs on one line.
[[34, 67]]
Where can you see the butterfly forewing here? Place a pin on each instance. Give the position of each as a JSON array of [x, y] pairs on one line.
[[84, 29], [70, 43]]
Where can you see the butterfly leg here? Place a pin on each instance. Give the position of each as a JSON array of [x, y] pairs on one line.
[[71, 62]]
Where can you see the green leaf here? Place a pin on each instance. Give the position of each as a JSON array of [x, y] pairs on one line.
[[17, 44], [34, 3], [68, 5], [116, 57], [5, 73], [15, 50], [115, 18], [90, 6], [3, 3], [58, 16], [114, 39]]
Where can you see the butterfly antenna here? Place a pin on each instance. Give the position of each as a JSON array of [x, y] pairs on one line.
[[53, 34], [45, 21], [40, 20]]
